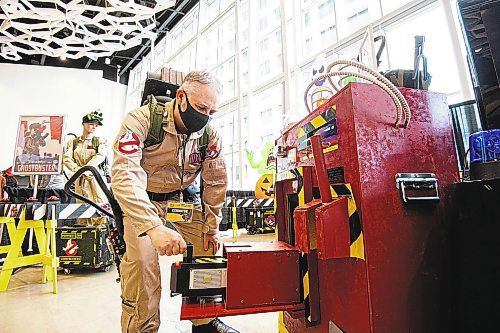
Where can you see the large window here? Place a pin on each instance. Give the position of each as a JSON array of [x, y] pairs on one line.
[[263, 119], [437, 48], [391, 5], [353, 15], [316, 30], [268, 41], [319, 27]]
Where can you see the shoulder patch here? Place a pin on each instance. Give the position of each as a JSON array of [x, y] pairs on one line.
[[128, 143], [212, 152]]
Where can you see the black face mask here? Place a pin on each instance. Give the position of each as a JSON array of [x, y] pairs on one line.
[[192, 119]]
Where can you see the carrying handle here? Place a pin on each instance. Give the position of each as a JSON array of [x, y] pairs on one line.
[[417, 181]]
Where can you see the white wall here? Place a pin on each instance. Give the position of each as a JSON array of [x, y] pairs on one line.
[[34, 90]]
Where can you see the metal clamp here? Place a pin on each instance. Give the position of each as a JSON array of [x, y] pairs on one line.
[[427, 181]]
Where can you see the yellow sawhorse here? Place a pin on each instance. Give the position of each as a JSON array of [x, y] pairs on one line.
[[45, 234]]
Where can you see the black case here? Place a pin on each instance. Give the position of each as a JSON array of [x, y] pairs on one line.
[[81, 247]]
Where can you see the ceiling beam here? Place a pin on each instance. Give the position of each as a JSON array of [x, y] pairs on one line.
[[88, 63], [42, 61], [162, 26], [176, 11]]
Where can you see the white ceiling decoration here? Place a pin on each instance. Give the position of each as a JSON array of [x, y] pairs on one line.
[[76, 28]]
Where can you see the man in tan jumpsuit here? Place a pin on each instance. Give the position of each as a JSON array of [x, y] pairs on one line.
[[87, 150], [144, 179]]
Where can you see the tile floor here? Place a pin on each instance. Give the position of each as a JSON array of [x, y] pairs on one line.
[[90, 302]]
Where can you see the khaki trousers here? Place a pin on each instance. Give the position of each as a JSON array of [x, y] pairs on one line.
[[90, 189], [140, 273]]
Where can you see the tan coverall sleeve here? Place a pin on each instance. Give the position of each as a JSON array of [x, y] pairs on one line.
[[100, 155], [128, 178], [214, 176], [68, 159]]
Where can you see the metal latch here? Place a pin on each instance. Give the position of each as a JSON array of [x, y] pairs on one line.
[[427, 181]]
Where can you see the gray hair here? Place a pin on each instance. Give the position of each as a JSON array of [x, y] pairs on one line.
[[201, 77]]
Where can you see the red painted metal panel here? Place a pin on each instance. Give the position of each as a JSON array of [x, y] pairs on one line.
[[406, 244], [262, 274], [332, 230], [304, 218], [399, 286]]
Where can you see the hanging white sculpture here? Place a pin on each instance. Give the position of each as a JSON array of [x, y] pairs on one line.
[[76, 28]]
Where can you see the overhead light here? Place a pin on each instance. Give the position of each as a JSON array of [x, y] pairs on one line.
[[107, 61], [63, 57], [82, 29]]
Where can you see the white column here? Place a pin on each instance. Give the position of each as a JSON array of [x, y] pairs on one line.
[[460, 57], [237, 74]]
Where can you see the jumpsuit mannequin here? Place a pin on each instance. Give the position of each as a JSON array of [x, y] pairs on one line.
[[80, 152]]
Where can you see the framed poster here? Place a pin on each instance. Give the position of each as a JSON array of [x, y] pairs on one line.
[[39, 145]]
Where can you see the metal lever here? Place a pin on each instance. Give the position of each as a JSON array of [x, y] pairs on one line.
[[321, 171], [189, 254], [406, 181], [419, 55]]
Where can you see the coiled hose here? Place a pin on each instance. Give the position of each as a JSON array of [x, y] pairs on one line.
[[371, 76]]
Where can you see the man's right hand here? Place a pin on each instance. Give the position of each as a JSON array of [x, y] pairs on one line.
[[166, 241]]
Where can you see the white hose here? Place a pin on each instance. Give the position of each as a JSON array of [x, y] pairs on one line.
[[371, 76], [380, 77], [364, 77]]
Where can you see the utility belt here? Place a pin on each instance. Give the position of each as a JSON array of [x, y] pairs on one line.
[[175, 195]]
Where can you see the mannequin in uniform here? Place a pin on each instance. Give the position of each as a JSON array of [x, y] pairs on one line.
[[88, 150]]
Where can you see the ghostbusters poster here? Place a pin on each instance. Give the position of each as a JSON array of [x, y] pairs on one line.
[[39, 145]]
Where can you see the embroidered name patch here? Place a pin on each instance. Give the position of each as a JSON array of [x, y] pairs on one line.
[[195, 158]]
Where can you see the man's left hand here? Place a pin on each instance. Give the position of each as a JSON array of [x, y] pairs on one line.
[[214, 239]]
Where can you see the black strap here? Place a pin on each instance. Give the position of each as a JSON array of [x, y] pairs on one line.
[[169, 196], [155, 131]]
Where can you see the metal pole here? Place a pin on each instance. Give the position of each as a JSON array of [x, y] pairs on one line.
[[30, 238], [35, 186], [457, 51], [151, 62], [284, 53], [238, 91]]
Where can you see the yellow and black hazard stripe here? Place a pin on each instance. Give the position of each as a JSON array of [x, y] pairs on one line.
[[64, 262], [325, 121], [304, 274], [266, 230], [281, 323], [210, 260], [303, 260], [357, 248]]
